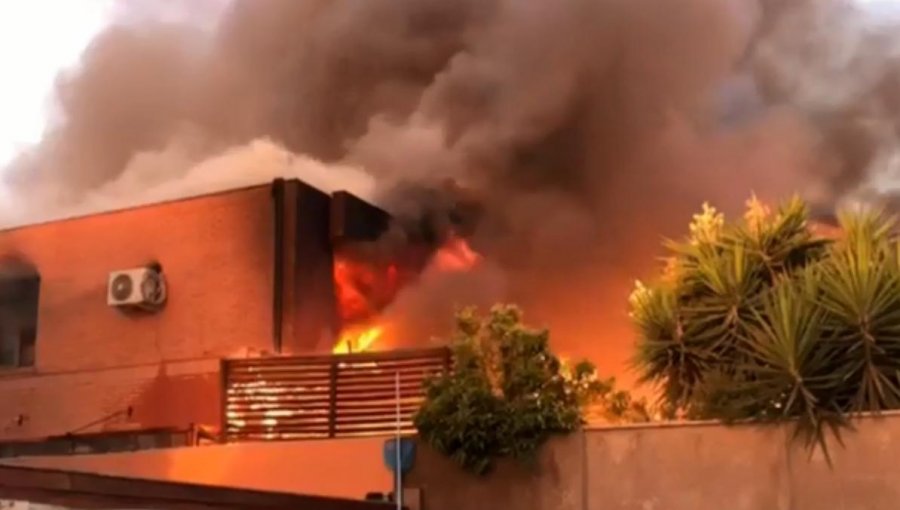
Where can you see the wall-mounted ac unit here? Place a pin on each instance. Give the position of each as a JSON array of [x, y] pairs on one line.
[[136, 288]]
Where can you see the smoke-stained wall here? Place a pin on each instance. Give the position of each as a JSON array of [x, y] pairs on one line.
[[314, 314]]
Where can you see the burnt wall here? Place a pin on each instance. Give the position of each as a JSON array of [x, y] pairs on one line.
[[314, 312], [355, 220], [312, 226]]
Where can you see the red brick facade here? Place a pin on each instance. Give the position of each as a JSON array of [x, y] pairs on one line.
[[218, 256]]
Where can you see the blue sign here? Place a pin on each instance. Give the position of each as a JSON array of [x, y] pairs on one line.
[[407, 454]]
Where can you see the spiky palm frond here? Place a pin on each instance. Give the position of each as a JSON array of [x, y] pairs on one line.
[[792, 375], [866, 226], [727, 288], [860, 294], [663, 355], [782, 241], [718, 277], [765, 321]]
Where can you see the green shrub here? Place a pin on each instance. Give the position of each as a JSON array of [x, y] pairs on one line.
[[508, 393], [761, 320]]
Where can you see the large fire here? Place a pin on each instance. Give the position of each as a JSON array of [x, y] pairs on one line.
[[364, 290], [358, 339]]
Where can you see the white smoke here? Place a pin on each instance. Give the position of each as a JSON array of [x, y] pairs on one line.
[[181, 171], [837, 61]]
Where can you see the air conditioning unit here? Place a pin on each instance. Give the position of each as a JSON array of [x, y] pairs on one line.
[[136, 288]]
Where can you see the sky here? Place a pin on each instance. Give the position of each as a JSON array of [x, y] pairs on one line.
[[34, 47]]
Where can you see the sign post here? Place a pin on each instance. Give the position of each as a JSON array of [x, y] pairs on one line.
[[398, 473], [399, 454]]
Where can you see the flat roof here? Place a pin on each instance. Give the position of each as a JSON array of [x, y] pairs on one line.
[[87, 490], [76, 215]]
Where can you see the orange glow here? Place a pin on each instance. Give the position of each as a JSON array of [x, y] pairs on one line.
[[456, 255], [348, 278], [358, 340], [364, 290]]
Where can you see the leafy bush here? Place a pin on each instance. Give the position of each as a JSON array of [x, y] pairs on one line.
[[508, 393], [763, 320]]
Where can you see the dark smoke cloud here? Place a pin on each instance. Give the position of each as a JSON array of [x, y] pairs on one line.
[[583, 130]]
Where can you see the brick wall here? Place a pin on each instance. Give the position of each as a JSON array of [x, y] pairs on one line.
[[93, 360]]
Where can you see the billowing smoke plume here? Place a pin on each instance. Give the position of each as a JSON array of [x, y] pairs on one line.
[[837, 63], [585, 129]]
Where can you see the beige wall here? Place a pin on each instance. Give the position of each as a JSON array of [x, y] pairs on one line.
[[686, 467], [93, 360], [347, 468]]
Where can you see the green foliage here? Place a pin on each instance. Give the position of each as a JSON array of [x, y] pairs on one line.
[[762, 320], [508, 393]]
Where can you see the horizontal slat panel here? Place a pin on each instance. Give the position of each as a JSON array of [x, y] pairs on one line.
[[365, 357], [286, 366], [387, 378], [391, 413], [410, 388], [390, 366], [295, 377], [298, 396], [277, 437], [261, 433], [365, 421], [286, 389], [325, 396], [376, 428]]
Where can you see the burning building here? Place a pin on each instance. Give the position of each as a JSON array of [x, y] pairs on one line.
[[118, 322]]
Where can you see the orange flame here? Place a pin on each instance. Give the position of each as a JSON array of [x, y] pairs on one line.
[[363, 290], [456, 255], [358, 340], [348, 278]]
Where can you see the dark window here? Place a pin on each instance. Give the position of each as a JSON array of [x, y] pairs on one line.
[[18, 319]]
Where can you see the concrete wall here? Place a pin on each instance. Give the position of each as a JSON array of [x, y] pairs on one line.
[[684, 467], [347, 468], [93, 360]]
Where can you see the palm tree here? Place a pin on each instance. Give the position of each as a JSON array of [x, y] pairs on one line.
[[762, 319]]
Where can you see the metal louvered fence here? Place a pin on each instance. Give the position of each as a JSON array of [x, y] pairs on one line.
[[324, 396]]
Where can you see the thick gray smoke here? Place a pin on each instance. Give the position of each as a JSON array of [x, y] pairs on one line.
[[836, 63], [586, 129]]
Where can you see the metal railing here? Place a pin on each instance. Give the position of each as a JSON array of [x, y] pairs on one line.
[[325, 396]]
